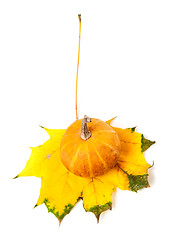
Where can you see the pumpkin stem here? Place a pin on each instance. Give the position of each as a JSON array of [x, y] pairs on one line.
[[85, 133]]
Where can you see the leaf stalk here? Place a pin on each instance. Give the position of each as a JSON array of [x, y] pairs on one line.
[[76, 108]]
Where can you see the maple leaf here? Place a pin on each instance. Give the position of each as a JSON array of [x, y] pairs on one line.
[[61, 189]]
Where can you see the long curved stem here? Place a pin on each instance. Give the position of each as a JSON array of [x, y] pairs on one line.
[[79, 17]]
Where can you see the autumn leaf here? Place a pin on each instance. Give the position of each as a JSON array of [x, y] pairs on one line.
[[61, 189]]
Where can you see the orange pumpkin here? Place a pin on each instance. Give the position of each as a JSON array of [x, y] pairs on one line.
[[89, 151]]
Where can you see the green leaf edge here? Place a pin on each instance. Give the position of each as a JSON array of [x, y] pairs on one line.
[[145, 143], [132, 129], [66, 210], [137, 182], [98, 209]]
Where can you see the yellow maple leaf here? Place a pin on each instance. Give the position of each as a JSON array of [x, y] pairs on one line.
[[61, 189]]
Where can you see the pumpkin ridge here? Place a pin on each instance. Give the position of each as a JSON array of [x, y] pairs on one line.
[[71, 165], [108, 145], [100, 157], [89, 162]]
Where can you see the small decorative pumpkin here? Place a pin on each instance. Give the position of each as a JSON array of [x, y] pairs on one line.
[[89, 151]]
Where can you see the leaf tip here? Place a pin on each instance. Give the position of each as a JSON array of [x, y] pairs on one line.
[[35, 206], [16, 177], [98, 217], [145, 143], [98, 209], [133, 129], [110, 120], [59, 222]]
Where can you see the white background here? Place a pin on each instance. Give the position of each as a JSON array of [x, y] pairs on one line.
[[125, 70]]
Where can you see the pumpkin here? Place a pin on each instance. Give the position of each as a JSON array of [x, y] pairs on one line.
[[89, 147]]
